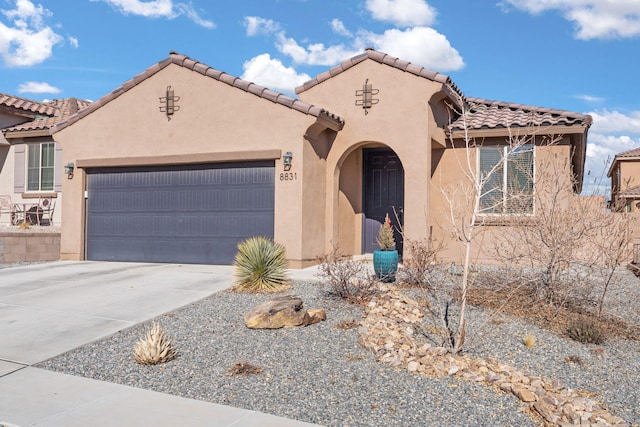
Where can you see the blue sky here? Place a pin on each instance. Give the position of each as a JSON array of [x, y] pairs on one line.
[[577, 55]]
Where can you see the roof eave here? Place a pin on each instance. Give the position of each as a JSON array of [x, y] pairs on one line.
[[27, 134]]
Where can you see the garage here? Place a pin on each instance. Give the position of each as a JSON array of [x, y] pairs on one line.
[[177, 214]]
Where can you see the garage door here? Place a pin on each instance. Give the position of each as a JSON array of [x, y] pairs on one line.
[[178, 214]]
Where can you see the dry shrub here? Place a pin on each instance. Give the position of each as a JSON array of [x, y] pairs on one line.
[[421, 260], [155, 348], [516, 296], [575, 359], [347, 279], [244, 369], [586, 331]]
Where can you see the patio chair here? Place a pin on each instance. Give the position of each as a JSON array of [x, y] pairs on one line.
[[46, 207]]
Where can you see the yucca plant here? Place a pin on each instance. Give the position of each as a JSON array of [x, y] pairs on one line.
[[156, 347], [261, 266]]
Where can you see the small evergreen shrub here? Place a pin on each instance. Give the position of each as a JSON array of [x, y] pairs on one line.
[[385, 237], [586, 331], [260, 266]]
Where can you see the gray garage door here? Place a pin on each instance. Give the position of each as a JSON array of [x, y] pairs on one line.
[[186, 214]]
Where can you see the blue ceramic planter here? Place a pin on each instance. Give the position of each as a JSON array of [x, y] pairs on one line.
[[385, 264]]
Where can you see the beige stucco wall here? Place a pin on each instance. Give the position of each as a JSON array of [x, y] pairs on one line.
[[452, 197], [401, 120], [213, 118]]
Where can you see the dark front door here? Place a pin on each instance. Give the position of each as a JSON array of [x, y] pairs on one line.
[[383, 184]]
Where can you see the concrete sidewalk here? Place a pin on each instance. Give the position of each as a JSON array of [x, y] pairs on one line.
[[48, 309]]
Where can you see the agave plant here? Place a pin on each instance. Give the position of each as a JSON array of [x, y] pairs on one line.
[[260, 266], [155, 348]]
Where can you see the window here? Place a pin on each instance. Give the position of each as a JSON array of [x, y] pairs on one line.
[[508, 179], [40, 166]]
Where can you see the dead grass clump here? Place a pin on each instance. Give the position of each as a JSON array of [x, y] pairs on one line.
[[155, 348], [575, 359], [586, 331], [244, 369], [348, 324], [521, 299]]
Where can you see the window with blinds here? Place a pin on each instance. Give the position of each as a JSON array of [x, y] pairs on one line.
[[507, 177], [40, 166]]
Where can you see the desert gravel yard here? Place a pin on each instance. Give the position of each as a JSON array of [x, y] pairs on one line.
[[320, 373]]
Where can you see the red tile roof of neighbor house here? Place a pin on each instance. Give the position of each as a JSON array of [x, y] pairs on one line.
[[199, 67], [632, 154], [26, 105], [47, 113], [630, 192]]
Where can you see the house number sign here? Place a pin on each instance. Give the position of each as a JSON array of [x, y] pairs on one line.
[[288, 176]]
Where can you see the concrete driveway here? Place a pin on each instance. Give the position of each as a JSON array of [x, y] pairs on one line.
[[48, 309]]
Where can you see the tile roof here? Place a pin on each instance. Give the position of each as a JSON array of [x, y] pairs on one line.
[[630, 192], [487, 114], [635, 152], [199, 67], [49, 113], [384, 58], [629, 155], [26, 105]]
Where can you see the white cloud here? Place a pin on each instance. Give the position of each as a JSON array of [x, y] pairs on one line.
[[594, 19], [405, 13], [316, 53], [421, 45], [27, 40], [338, 27], [271, 73], [256, 25], [590, 98], [37, 87], [612, 133], [616, 122], [159, 9], [73, 41]]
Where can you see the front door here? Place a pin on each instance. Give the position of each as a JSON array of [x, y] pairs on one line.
[[383, 184]]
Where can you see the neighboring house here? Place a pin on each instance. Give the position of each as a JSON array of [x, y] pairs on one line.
[[183, 161], [30, 160], [625, 181]]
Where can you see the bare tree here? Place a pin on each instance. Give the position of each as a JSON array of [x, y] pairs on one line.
[[486, 188]]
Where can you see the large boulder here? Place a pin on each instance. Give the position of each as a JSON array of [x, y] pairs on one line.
[[282, 312]]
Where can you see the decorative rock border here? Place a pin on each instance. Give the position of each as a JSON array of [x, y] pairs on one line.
[[388, 330]]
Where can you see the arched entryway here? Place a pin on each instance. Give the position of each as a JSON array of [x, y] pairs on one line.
[[383, 194]]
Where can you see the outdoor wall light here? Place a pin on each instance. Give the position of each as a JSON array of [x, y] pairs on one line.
[[68, 169], [286, 160]]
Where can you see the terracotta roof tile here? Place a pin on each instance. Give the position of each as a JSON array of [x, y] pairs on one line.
[[53, 111], [27, 105], [205, 70], [630, 192], [383, 58], [634, 152], [487, 114]]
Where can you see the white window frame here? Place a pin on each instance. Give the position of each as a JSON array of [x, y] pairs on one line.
[[40, 168], [506, 152]]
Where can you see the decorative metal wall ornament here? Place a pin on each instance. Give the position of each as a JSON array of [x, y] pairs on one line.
[[366, 97], [169, 102]]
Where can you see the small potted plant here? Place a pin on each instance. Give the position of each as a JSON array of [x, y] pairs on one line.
[[385, 259]]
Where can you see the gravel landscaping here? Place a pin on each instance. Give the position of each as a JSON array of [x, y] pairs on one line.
[[320, 373]]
